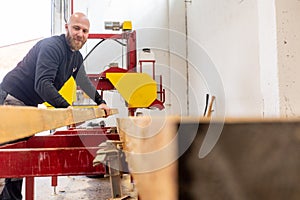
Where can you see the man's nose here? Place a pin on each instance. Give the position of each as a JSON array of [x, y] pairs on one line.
[[80, 33]]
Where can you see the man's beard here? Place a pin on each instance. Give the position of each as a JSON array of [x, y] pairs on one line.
[[75, 45]]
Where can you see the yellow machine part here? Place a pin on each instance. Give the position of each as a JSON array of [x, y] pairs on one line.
[[138, 89], [68, 91], [127, 25]]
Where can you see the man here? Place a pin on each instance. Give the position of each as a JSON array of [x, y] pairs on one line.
[[42, 73]]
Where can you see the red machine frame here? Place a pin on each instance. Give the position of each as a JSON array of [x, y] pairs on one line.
[[102, 83], [69, 152]]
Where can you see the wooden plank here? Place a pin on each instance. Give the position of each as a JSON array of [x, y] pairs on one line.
[[18, 122], [251, 160], [150, 163], [254, 158]]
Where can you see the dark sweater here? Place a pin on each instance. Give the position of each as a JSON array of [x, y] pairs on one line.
[[44, 70]]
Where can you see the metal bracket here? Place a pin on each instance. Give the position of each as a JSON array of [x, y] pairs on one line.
[[109, 153]]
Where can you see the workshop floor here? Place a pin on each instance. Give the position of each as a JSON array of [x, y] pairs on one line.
[[79, 187]]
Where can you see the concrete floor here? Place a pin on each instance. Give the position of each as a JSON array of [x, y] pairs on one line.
[[79, 187]]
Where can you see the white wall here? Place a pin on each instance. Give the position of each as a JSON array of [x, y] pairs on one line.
[[254, 46], [288, 26], [22, 25], [228, 32], [24, 20], [268, 58], [178, 54]]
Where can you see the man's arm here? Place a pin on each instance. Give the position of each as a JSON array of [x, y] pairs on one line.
[[86, 85], [46, 70]]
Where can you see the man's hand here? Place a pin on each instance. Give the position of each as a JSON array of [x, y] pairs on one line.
[[106, 109]]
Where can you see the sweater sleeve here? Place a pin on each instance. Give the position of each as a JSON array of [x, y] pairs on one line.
[[45, 74], [86, 85]]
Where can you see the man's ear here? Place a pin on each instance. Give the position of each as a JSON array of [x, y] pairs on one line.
[[66, 26]]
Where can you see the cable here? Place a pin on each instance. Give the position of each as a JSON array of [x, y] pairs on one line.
[[99, 44], [93, 49]]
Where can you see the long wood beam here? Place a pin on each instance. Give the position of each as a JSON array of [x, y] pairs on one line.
[[18, 122]]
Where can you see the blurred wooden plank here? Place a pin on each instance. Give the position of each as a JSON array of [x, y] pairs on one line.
[[151, 164], [254, 158], [18, 122]]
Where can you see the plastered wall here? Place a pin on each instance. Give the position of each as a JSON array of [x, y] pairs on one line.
[[253, 46], [288, 29]]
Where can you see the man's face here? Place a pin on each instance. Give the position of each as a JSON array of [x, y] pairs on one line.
[[77, 31]]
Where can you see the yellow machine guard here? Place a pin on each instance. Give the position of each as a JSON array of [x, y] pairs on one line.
[[68, 91], [138, 89]]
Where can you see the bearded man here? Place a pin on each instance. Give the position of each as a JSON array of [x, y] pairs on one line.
[[42, 73]]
